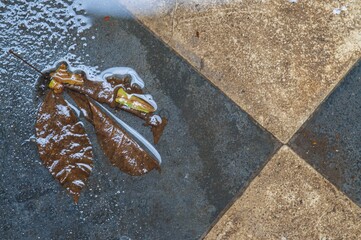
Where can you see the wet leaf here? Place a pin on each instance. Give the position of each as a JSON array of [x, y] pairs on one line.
[[122, 151], [133, 102], [119, 90], [57, 87], [62, 75], [105, 91], [83, 104], [63, 144], [158, 127]]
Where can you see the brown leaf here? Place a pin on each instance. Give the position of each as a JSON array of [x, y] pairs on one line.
[[158, 129], [63, 144], [122, 151], [62, 75], [83, 103], [106, 92]]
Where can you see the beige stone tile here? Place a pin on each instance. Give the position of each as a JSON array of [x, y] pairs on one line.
[[290, 200], [277, 60]]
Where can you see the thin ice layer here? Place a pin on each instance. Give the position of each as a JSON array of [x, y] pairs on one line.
[[63, 145]]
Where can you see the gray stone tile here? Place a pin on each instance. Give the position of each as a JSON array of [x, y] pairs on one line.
[[330, 139], [211, 148]]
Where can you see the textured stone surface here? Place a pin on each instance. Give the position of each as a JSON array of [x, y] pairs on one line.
[[330, 140], [210, 149], [278, 60], [290, 200]]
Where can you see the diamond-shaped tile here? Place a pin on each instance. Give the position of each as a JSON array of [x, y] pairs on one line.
[[211, 149], [276, 59], [330, 140], [289, 200]]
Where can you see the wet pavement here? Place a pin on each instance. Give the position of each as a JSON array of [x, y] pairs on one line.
[[279, 60], [211, 149]]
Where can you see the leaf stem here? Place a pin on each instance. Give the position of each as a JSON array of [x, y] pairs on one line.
[[26, 62]]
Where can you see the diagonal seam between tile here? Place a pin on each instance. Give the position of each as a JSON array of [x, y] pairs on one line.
[[300, 123], [345, 197], [323, 177], [240, 192], [201, 74], [304, 125], [317, 108], [353, 61]]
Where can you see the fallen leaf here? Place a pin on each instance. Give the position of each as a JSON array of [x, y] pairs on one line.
[[63, 145], [122, 151], [108, 92]]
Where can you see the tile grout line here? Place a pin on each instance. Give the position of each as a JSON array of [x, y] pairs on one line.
[[350, 66], [241, 191], [323, 177], [289, 143], [278, 143], [167, 43], [343, 198], [202, 75]]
